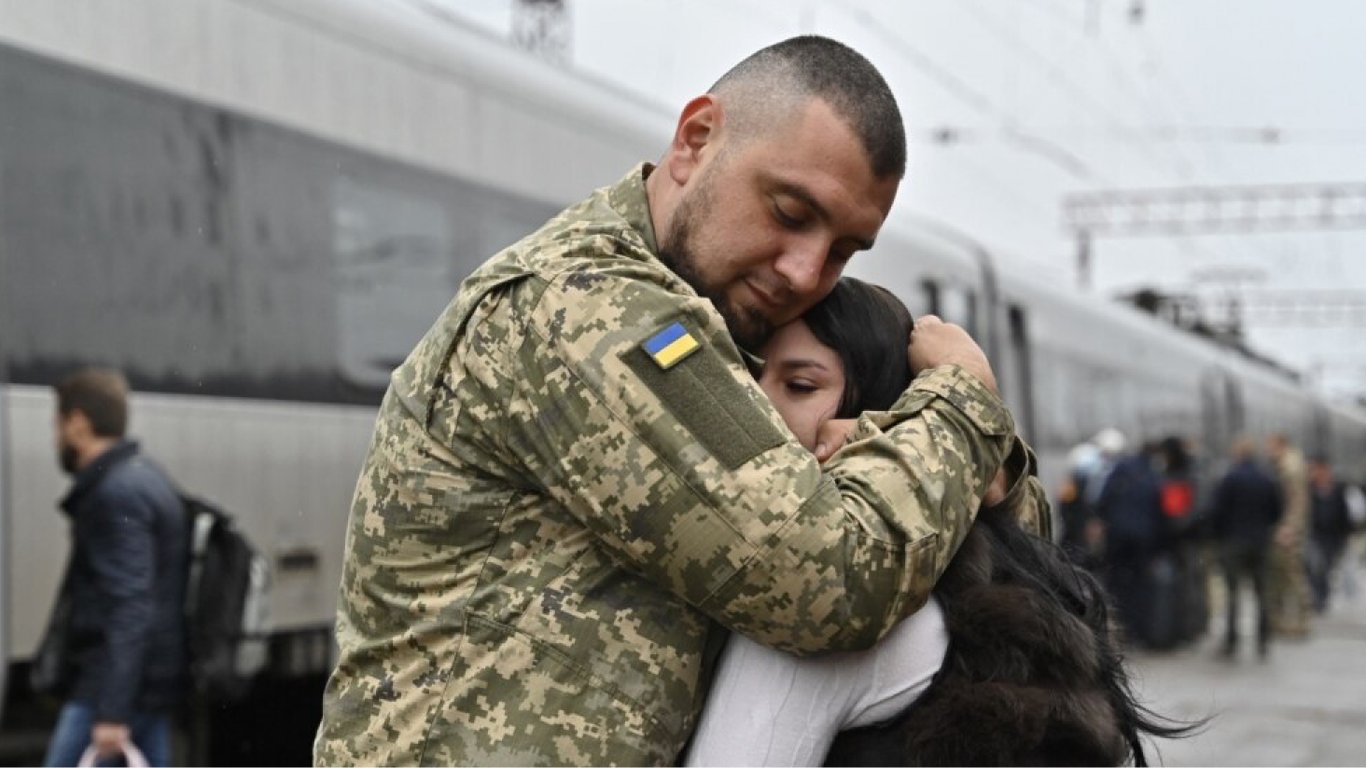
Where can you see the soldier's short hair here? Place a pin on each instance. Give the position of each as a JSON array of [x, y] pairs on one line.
[[99, 393], [760, 88]]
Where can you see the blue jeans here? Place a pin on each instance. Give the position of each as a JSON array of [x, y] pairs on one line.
[[151, 732]]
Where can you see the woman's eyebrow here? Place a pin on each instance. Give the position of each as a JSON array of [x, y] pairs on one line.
[[801, 362]]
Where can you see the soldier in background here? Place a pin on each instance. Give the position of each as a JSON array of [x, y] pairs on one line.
[[1289, 584], [575, 485]]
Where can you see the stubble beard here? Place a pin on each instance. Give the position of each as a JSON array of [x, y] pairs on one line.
[[747, 325]]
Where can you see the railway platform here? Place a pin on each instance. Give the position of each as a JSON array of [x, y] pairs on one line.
[[1305, 705]]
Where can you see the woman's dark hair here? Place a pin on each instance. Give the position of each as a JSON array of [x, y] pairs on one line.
[[868, 328], [1031, 643]]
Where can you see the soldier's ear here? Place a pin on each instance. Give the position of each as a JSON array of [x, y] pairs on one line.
[[694, 138]]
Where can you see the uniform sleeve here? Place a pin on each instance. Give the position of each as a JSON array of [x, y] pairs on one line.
[[687, 475], [1026, 498]]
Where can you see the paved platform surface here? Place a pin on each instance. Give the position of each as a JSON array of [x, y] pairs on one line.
[[1304, 705]]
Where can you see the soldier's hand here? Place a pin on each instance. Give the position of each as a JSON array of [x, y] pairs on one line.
[[934, 343], [831, 435]]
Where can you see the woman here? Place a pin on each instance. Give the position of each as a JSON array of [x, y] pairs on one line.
[[1011, 662]]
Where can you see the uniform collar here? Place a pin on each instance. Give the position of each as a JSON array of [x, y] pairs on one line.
[[627, 197]]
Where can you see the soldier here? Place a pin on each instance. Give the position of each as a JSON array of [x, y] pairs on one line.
[[575, 485], [1288, 586]]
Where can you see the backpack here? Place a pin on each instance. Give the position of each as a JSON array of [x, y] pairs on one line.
[[226, 607]]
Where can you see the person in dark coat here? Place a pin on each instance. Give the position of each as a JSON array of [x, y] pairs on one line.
[[1081, 531], [1330, 525], [125, 581], [1130, 507], [1246, 510]]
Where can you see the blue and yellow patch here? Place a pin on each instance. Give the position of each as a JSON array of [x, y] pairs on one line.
[[668, 347]]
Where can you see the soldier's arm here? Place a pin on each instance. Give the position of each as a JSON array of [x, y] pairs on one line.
[[686, 473], [1025, 496]]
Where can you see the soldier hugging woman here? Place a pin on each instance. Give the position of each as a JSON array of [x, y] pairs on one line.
[[1013, 661]]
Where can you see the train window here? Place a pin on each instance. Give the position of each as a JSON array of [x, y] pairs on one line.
[[395, 263], [956, 306], [929, 291], [94, 273], [1018, 383]]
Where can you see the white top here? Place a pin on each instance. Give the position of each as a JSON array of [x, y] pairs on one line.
[[767, 707]]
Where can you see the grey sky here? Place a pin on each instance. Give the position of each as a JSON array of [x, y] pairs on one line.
[[1050, 97]]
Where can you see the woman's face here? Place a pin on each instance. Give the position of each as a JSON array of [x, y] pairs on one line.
[[804, 379]]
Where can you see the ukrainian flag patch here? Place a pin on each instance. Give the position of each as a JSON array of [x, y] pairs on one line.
[[668, 347]]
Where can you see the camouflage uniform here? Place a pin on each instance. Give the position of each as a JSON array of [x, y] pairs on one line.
[[1288, 584], [549, 525]]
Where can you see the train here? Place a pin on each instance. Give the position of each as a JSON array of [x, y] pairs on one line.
[[254, 208]]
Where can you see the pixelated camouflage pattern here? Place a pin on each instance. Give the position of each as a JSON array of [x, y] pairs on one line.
[[1025, 497], [1289, 597], [1293, 475], [540, 555]]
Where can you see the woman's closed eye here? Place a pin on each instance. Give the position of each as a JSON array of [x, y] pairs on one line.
[[801, 386]]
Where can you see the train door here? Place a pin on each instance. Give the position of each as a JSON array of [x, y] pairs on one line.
[[1221, 412], [929, 298], [1017, 379], [4, 459]]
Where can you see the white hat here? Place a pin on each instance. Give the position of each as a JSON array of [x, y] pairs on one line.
[[1083, 459], [1110, 441]]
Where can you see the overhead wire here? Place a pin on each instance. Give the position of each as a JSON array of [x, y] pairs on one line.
[[1056, 154], [1056, 76]]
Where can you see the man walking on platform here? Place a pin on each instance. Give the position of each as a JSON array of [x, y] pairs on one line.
[[1289, 587], [1246, 508], [124, 591]]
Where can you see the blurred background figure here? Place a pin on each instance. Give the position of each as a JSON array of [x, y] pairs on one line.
[[1330, 528], [116, 641], [1130, 508], [1081, 531], [1178, 571], [1288, 590], [1110, 443], [1246, 509]]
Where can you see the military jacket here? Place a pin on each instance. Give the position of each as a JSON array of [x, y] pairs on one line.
[[1293, 475], [574, 483]]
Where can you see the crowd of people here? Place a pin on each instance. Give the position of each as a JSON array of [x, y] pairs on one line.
[[1162, 540]]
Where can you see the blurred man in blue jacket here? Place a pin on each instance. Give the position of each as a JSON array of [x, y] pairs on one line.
[[125, 582]]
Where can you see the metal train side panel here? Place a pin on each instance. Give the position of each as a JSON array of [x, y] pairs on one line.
[[7, 611], [286, 471], [386, 79]]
